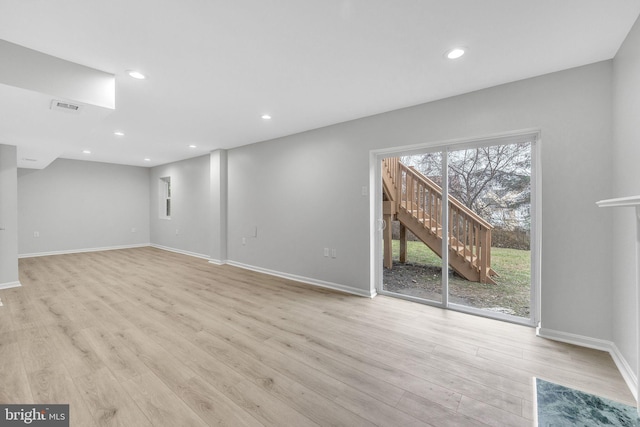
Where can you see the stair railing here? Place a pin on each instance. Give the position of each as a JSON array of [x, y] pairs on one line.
[[469, 234]]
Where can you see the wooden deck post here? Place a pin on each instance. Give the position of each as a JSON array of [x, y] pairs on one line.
[[403, 243], [388, 242], [484, 250]]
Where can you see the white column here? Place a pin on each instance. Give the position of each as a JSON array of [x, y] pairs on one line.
[[8, 217], [218, 190]]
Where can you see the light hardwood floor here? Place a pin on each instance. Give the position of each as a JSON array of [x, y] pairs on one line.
[[144, 337]]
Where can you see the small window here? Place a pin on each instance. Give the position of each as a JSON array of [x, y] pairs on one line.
[[165, 197]]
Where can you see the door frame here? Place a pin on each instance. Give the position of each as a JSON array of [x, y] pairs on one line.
[[375, 214]]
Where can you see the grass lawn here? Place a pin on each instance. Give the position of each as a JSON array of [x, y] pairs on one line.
[[512, 290]]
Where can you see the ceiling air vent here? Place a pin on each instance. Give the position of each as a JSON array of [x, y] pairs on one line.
[[67, 107]]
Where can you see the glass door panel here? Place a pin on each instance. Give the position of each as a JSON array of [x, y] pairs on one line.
[[490, 228], [413, 200]]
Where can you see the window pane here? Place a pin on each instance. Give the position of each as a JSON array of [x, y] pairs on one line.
[[165, 197]]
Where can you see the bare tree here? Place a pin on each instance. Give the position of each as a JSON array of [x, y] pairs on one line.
[[492, 181]]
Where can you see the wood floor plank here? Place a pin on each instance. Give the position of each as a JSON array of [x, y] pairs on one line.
[[159, 403], [6, 319], [269, 411], [209, 402], [225, 377], [37, 350], [303, 397], [345, 395], [53, 385], [490, 415], [417, 361], [148, 337], [23, 313], [433, 413], [108, 402], [14, 385], [543, 370], [216, 408], [122, 362], [76, 352]]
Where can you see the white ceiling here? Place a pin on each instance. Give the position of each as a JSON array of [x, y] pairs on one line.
[[214, 67]]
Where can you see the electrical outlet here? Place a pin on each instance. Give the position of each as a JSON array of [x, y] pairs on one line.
[[36, 234], [177, 231], [365, 191], [326, 252], [133, 230], [333, 253], [244, 241]]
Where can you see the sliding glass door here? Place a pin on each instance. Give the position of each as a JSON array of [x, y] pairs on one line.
[[461, 227]]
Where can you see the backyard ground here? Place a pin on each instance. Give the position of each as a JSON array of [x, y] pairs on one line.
[[421, 277]]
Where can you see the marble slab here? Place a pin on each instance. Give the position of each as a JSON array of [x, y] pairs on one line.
[[560, 406]]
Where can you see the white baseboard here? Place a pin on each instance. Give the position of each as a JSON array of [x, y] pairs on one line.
[[623, 366], [296, 278], [306, 280], [569, 338], [301, 279], [627, 373], [77, 251], [9, 285], [179, 251]]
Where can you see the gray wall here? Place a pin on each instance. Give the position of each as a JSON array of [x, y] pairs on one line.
[[626, 182], [189, 229], [303, 192], [76, 205], [8, 216]]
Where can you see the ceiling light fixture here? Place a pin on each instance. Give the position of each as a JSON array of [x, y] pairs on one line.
[[86, 151], [118, 133], [455, 53], [136, 74], [147, 159], [266, 117], [193, 146]]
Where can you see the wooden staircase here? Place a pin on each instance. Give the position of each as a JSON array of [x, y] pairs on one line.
[[416, 202]]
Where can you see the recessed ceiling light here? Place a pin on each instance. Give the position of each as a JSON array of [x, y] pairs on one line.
[[136, 74], [147, 159], [118, 133], [266, 117], [193, 146], [86, 151], [455, 53]]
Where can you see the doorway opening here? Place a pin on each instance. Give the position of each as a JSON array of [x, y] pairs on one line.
[[458, 226]]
